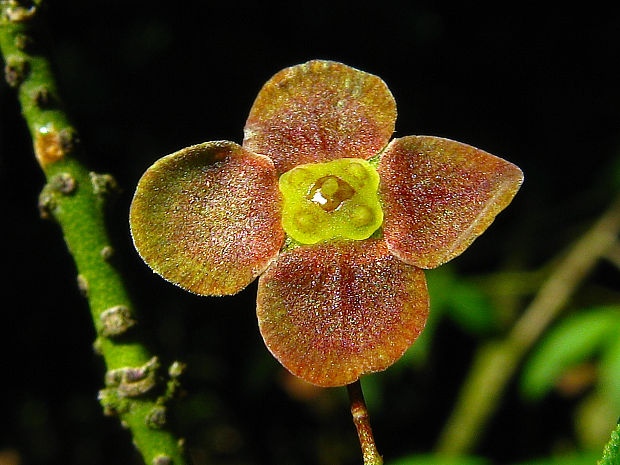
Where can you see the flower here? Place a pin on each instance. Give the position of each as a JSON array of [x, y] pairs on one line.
[[337, 221]]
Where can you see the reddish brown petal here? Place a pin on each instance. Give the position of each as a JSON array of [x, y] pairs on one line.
[[439, 195], [334, 311], [320, 111], [207, 218]]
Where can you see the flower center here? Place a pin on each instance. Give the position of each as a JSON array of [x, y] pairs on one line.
[[329, 192], [337, 199]]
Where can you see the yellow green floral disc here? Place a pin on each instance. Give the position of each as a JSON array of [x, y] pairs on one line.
[[337, 199]]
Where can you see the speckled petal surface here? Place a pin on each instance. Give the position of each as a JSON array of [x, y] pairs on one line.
[[334, 311], [439, 195], [320, 111], [207, 218]]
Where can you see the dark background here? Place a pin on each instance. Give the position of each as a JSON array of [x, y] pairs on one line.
[[141, 80]]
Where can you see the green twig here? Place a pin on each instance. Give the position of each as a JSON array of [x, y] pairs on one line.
[[496, 362], [76, 198], [361, 419]]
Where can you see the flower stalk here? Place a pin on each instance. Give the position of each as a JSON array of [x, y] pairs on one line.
[[361, 419], [76, 199]]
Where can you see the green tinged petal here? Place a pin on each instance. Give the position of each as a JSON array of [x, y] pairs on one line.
[[320, 111], [207, 218], [332, 312], [439, 195]]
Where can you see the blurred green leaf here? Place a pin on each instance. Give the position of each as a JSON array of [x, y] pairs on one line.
[[572, 341], [594, 417], [463, 301], [610, 371], [439, 460], [418, 352], [440, 282], [470, 308], [586, 458], [373, 387]]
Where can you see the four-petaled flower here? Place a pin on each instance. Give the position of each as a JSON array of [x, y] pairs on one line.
[[337, 220]]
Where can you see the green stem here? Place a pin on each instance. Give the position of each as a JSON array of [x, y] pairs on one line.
[[76, 199], [496, 362], [361, 419]]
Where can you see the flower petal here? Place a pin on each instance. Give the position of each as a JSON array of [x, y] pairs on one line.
[[439, 195], [320, 111], [207, 218], [334, 311]]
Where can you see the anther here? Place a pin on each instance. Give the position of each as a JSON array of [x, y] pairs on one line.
[[329, 192]]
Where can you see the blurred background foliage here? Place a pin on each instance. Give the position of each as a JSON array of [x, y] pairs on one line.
[[539, 88]]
